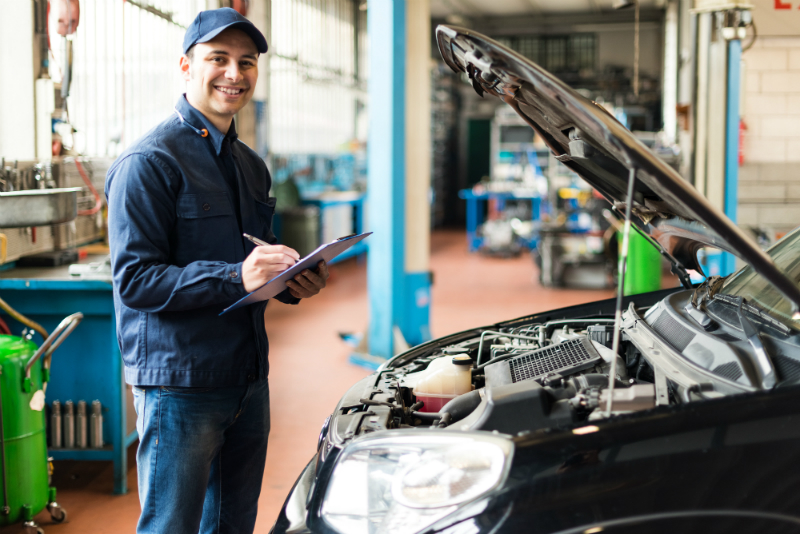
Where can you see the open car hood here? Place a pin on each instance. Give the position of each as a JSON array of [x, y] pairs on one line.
[[588, 140]]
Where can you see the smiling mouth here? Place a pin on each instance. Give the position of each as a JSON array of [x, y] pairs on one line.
[[230, 91]]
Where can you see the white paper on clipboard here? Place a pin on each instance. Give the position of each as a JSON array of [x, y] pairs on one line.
[[325, 252]]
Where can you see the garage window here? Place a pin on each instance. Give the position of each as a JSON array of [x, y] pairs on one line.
[[124, 81], [557, 53], [317, 75]]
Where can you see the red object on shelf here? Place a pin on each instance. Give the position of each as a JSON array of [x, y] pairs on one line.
[[240, 6], [69, 16]]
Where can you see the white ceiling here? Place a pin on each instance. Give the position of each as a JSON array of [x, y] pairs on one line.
[[504, 8]]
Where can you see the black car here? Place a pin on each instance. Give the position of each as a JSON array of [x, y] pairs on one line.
[[677, 411]]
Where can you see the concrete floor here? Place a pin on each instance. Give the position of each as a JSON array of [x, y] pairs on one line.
[[310, 372]]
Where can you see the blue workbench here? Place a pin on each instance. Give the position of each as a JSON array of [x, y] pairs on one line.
[[475, 210], [87, 366]]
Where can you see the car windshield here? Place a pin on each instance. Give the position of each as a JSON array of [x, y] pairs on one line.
[[755, 289]]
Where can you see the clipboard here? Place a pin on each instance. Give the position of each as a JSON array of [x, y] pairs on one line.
[[325, 252]]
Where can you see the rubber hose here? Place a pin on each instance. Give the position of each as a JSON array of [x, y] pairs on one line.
[[462, 406], [427, 416], [444, 421], [24, 320]]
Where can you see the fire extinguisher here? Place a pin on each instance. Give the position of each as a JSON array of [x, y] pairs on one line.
[[240, 6], [68, 13], [742, 130]]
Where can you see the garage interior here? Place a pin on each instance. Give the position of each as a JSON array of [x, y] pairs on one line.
[[364, 128]]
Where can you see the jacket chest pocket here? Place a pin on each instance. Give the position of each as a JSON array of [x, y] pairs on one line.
[[206, 228], [266, 212]]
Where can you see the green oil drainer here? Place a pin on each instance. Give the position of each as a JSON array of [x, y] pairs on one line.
[[24, 372]]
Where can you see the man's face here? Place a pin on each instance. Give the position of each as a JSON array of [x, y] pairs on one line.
[[221, 76]]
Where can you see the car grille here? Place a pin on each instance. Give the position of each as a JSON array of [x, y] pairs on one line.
[[564, 358]]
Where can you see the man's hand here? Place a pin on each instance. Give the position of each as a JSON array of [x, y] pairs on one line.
[[308, 283], [265, 263]]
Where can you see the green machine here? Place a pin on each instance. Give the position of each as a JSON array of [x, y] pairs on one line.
[[643, 272], [24, 372]]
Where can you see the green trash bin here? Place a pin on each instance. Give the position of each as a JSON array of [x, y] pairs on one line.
[[643, 272], [24, 471]]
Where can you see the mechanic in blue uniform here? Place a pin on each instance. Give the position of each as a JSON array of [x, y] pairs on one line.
[[179, 201]]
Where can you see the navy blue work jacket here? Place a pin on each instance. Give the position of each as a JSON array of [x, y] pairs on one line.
[[178, 203]]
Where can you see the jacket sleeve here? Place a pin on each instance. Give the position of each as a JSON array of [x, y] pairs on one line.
[[286, 297], [142, 194]]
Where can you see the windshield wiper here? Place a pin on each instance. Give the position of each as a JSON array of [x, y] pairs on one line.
[[755, 310], [764, 367], [710, 286], [701, 294]]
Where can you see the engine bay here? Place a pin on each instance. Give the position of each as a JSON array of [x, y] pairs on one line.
[[527, 378], [539, 375]]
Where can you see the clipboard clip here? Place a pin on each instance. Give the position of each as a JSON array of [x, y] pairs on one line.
[[346, 237]]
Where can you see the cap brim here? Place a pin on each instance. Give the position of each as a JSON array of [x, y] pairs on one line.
[[246, 27]]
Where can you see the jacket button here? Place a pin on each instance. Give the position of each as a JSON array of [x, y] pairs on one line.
[[234, 274], [251, 377], [206, 207]]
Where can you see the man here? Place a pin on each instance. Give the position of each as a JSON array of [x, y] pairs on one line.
[[179, 201]]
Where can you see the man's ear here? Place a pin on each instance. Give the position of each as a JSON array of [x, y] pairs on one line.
[[185, 67]]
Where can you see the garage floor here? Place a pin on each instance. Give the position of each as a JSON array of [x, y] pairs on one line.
[[310, 371]]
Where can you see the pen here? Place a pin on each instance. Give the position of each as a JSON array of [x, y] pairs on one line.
[[256, 240]]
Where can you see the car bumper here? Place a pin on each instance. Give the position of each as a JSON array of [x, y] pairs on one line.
[[292, 517]]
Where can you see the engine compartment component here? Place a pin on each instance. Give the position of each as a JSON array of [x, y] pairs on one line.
[[544, 375], [445, 379], [564, 358], [514, 408]]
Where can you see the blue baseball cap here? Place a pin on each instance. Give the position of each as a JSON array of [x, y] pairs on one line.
[[208, 24]]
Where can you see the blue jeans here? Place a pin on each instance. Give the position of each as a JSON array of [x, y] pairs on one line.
[[201, 457]]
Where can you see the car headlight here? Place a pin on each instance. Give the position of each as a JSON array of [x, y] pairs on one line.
[[403, 483]]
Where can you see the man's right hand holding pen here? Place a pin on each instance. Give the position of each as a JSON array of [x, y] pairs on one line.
[[265, 263], [268, 261]]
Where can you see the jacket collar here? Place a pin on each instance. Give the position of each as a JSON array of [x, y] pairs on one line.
[[198, 121]]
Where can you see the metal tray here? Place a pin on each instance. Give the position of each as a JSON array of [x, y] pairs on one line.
[[38, 207]]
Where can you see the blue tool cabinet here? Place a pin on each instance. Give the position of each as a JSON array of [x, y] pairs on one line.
[[87, 366], [475, 209]]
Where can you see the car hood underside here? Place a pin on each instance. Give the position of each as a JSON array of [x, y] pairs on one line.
[[587, 139]]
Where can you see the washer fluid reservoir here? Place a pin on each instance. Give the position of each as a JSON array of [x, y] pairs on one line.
[[443, 380]]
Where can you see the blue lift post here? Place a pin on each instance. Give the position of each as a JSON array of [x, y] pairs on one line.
[[397, 298], [732, 144], [719, 262]]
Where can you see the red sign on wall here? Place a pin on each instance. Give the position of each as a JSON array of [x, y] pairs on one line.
[[777, 17]]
